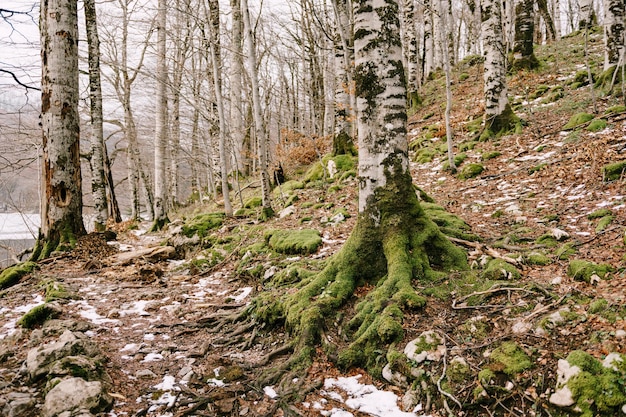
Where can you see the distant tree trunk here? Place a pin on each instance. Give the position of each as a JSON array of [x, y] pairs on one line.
[[429, 44], [113, 205], [410, 53], [556, 12], [98, 180], [216, 61], [587, 15], [444, 7], [499, 117], [160, 128], [61, 205], [523, 53], [236, 87], [614, 14], [343, 141], [544, 12], [261, 135]]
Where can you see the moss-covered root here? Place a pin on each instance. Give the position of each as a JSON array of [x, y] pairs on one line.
[[502, 124], [379, 316], [61, 240], [11, 275]]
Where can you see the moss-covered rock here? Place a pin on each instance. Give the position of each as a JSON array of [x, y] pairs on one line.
[[565, 251], [599, 213], [582, 270], [510, 359], [596, 125], [39, 314], [202, 224], [56, 291], [253, 202], [294, 242], [614, 171], [490, 155], [537, 258], [471, 171], [288, 187], [12, 274], [498, 269], [577, 120], [615, 110], [593, 388], [597, 306], [604, 222]]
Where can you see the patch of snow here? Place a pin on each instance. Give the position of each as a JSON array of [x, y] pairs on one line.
[[136, 307], [367, 398], [168, 383], [130, 347], [243, 293], [216, 382], [270, 392], [89, 312], [152, 357], [148, 336]]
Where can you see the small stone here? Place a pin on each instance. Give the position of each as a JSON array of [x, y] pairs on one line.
[[288, 211], [17, 404], [145, 374], [428, 346], [76, 393], [620, 334], [394, 377]]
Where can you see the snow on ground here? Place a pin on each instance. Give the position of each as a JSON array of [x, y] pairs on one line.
[[364, 398], [13, 316]]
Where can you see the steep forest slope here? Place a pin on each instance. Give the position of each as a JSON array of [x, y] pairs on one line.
[[163, 322]]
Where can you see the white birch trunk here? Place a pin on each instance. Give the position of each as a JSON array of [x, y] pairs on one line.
[[98, 181], [614, 14], [586, 14], [61, 205], [495, 88], [237, 132], [160, 139], [429, 45], [214, 51], [381, 101], [261, 135]]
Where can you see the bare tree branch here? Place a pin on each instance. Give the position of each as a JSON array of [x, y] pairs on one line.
[[26, 86]]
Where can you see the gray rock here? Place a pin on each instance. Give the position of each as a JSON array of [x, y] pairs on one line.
[[428, 346], [394, 377], [145, 373], [19, 404], [76, 394], [562, 396], [288, 211], [39, 360]]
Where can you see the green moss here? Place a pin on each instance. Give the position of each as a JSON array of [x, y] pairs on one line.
[[510, 359], [603, 223], [615, 110], [294, 241], [614, 171], [38, 315], [253, 202], [471, 171], [565, 251], [577, 120], [490, 155], [537, 168], [486, 376], [12, 274], [597, 390], [540, 90], [474, 126], [547, 240], [498, 269], [425, 155], [537, 258], [599, 213], [56, 291], [288, 187], [598, 306], [467, 145], [581, 270], [463, 76], [596, 125], [202, 224]]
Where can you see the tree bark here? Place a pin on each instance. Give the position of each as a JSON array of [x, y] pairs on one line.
[[523, 52], [98, 180], [261, 135], [216, 61], [160, 128], [499, 117], [587, 15], [614, 14], [61, 205]]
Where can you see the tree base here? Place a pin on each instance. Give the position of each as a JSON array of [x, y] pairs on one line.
[[389, 256], [502, 124]]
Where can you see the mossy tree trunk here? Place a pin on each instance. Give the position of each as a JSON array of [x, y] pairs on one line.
[[614, 14], [61, 205], [499, 116], [393, 242], [523, 52]]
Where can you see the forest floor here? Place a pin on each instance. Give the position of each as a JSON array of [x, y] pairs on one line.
[[159, 322]]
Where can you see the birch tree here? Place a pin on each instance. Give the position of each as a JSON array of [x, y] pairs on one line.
[[98, 180], [160, 128], [216, 62], [261, 135], [393, 242], [587, 15], [499, 117], [237, 132], [523, 52], [61, 194], [614, 14]]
